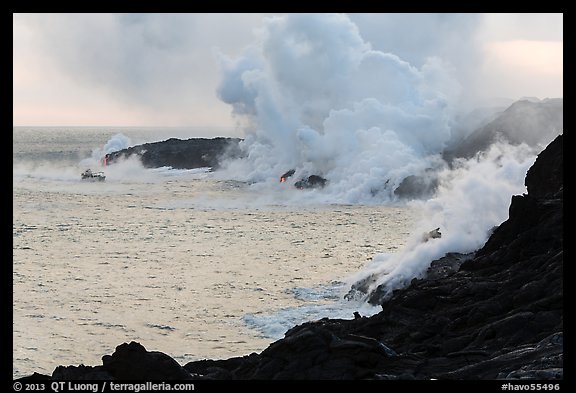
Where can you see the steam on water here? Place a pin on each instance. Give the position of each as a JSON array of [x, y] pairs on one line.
[[317, 98], [314, 96]]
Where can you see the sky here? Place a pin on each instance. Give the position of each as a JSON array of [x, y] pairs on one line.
[[165, 69]]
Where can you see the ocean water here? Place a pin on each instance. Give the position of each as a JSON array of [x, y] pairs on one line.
[[182, 261]]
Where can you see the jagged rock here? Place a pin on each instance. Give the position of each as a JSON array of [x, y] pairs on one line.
[[546, 180], [433, 234], [418, 186], [81, 373], [542, 361], [217, 369], [486, 315], [133, 362], [447, 265], [34, 377], [312, 181], [439, 268], [182, 154], [494, 314], [316, 351], [287, 175]]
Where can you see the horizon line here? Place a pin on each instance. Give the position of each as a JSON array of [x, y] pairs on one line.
[[119, 126]]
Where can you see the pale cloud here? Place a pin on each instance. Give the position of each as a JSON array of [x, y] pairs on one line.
[[161, 69], [522, 55], [123, 69]]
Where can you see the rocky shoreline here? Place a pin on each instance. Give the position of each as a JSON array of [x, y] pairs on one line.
[[522, 122], [182, 154], [493, 314]]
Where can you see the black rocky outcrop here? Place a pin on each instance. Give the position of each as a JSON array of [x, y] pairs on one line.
[[418, 186], [129, 362], [312, 181], [287, 174], [182, 154], [494, 314]]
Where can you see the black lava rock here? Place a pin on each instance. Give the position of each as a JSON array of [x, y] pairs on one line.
[[182, 154], [312, 181], [133, 362], [495, 314]]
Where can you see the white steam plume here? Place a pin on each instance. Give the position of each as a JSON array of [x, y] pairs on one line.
[[314, 96], [317, 98], [115, 143], [472, 199]]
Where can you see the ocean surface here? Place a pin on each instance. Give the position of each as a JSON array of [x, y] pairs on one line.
[[182, 261]]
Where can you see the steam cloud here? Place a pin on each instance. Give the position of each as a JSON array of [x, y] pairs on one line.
[[115, 143], [472, 198], [314, 96]]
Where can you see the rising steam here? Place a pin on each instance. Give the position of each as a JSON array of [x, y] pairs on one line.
[[472, 198], [314, 96]]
